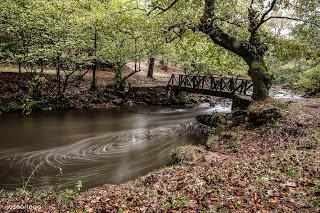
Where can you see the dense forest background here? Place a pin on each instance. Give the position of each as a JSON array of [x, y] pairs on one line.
[[79, 35]]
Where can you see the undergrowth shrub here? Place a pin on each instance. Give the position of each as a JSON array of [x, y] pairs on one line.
[[34, 99]]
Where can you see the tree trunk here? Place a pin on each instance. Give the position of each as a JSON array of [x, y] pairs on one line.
[[19, 64], [41, 65], [94, 68], [151, 67], [261, 78], [58, 74], [251, 51], [94, 78]]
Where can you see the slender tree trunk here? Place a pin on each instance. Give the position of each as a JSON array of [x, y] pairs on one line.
[[94, 68], [41, 65], [151, 67], [94, 78], [20, 66], [261, 78], [58, 74]]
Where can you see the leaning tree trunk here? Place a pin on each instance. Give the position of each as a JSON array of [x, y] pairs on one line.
[[151, 67], [261, 78]]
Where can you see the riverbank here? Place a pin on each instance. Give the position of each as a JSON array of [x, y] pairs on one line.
[[269, 166], [15, 93]]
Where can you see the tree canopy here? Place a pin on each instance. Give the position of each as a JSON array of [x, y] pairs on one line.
[[270, 38]]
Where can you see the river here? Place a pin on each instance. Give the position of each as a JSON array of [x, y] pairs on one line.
[[96, 147]]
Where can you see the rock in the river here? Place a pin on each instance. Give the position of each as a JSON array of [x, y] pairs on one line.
[[211, 120], [241, 102]]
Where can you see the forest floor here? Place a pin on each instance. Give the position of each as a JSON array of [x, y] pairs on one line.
[[272, 167]]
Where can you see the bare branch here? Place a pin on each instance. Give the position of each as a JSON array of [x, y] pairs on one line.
[[131, 74], [311, 67], [252, 2], [273, 4], [163, 9], [263, 20]]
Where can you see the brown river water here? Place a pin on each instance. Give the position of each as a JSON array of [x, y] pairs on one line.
[[97, 147]]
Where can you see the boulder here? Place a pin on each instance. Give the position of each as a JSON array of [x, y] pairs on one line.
[[211, 120], [240, 102], [258, 118], [239, 117]]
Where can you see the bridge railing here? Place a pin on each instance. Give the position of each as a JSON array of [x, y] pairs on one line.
[[242, 86]]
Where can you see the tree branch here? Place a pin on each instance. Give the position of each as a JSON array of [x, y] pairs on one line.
[[131, 74], [263, 20], [252, 2], [273, 4], [217, 35], [163, 9]]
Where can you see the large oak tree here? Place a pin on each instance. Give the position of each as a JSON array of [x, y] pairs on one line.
[[217, 14]]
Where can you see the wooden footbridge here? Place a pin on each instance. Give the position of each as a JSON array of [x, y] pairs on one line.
[[219, 86]]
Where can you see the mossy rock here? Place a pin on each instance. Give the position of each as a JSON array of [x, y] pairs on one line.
[[241, 102], [211, 120], [269, 115], [239, 117], [188, 155]]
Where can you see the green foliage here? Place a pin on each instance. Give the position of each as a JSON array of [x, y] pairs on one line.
[[310, 80], [198, 55], [82, 32], [291, 173], [34, 99], [67, 195], [179, 203]]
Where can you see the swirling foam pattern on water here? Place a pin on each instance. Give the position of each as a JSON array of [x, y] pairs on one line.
[[106, 158]]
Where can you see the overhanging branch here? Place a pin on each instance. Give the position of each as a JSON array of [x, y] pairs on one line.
[[163, 9]]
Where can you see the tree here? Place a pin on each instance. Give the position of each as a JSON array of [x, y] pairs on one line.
[[151, 67], [233, 27]]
